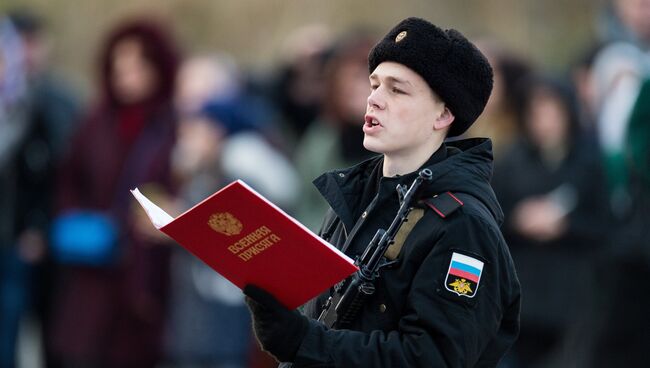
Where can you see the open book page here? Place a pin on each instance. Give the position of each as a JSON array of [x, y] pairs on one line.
[[158, 217], [327, 244]]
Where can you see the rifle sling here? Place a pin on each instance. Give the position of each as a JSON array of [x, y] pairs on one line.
[[394, 249]]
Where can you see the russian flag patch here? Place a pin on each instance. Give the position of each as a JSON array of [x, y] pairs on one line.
[[464, 275]]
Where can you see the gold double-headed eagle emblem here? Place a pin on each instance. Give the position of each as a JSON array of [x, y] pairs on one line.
[[225, 223], [461, 286]]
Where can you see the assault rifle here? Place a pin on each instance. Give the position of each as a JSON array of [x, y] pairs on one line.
[[343, 307]]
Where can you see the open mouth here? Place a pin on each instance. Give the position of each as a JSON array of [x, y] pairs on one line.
[[371, 121], [372, 126]]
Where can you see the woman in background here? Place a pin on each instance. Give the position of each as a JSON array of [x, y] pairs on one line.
[[109, 310]]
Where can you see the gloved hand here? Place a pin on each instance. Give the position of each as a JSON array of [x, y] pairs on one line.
[[279, 330]]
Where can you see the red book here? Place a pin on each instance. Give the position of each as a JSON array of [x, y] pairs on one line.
[[248, 239]]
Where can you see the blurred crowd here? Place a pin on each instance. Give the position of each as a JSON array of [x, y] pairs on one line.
[[80, 260]]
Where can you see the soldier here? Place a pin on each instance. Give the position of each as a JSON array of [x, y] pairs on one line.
[[452, 298]]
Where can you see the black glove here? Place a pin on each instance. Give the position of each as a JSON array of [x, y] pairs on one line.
[[279, 330]]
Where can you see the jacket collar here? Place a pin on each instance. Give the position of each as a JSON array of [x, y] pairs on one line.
[[467, 168]]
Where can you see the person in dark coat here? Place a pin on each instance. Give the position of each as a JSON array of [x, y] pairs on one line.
[[452, 297], [50, 113], [551, 186], [110, 312]]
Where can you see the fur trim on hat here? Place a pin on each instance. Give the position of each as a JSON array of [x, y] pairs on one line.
[[451, 65]]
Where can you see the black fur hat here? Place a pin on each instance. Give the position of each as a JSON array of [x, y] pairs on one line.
[[452, 66]]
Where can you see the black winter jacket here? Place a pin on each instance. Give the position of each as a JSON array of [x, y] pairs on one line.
[[415, 319]]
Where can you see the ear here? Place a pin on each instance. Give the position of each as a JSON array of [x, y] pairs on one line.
[[444, 120]]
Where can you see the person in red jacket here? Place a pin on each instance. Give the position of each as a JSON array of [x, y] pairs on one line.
[[109, 311]]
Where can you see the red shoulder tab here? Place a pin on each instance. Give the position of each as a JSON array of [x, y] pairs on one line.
[[444, 204]]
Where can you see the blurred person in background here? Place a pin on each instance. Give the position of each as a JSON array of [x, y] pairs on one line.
[[620, 74], [220, 139], [622, 334], [298, 89], [51, 119], [618, 71], [112, 282], [551, 187], [499, 120], [14, 127], [334, 138]]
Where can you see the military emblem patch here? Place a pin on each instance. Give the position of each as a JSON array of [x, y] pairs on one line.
[[400, 36], [464, 275]]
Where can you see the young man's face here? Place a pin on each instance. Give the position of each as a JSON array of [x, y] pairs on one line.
[[401, 111]]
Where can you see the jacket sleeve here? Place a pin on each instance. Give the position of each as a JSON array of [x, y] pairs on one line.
[[438, 328]]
